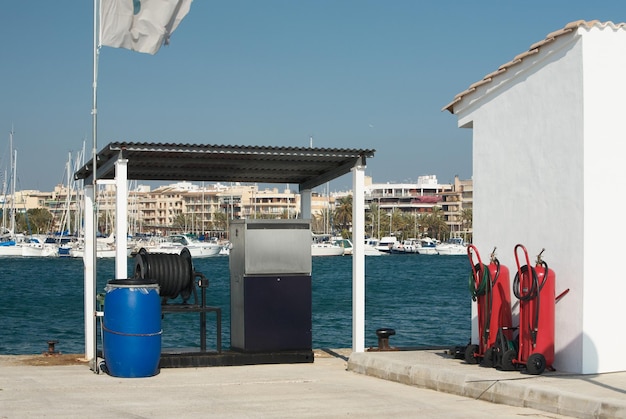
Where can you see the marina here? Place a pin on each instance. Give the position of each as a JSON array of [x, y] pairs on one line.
[[406, 318]]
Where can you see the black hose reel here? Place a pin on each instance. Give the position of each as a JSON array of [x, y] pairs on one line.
[[174, 273], [175, 276]]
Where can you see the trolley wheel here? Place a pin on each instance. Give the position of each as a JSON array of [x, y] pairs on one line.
[[536, 364], [470, 352], [507, 360], [488, 360]]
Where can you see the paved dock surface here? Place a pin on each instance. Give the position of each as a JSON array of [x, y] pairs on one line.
[[338, 384]]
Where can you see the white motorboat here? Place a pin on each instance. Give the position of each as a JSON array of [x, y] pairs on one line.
[[370, 250], [407, 246], [370, 247], [175, 243], [372, 241], [105, 248], [387, 243], [79, 252], [454, 246], [427, 246]]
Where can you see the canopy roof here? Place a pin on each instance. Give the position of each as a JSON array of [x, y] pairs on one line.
[[307, 167]]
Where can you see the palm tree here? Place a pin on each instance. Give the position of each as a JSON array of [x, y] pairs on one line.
[[402, 224], [35, 220], [319, 221], [219, 221], [343, 214], [371, 220], [435, 225], [181, 222]]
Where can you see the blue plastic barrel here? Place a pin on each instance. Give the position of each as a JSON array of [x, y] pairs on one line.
[[132, 328]]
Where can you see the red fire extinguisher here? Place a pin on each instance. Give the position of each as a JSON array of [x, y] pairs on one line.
[[534, 287], [490, 289]]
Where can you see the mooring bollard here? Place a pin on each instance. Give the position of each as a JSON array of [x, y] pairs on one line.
[[383, 338], [51, 350]]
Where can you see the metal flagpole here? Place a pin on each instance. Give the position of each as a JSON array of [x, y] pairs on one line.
[[90, 257], [158, 15]]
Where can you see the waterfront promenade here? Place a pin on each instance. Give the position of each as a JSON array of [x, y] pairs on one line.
[[337, 384]]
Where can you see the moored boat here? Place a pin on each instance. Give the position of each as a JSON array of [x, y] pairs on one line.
[[105, 248], [37, 247], [346, 244], [9, 245], [454, 246], [386, 244], [175, 243], [323, 245], [427, 246], [326, 249], [406, 246]]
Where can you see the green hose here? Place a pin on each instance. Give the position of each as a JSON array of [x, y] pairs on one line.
[[484, 281]]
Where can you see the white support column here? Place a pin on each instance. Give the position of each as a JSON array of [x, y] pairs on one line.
[[89, 261], [305, 203], [121, 218], [358, 258]]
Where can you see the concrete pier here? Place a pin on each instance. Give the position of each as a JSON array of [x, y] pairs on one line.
[[336, 384]]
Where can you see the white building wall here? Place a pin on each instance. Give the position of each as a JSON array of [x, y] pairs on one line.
[[541, 133], [605, 148]]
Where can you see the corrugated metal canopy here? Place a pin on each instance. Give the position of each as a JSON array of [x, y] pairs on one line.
[[307, 167]]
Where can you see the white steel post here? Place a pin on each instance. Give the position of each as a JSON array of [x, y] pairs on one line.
[[121, 218], [89, 276], [358, 258]]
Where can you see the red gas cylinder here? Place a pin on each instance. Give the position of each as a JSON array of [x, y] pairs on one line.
[[490, 288], [534, 287]]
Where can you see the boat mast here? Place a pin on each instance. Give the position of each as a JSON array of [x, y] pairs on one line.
[[4, 201], [13, 173], [78, 189], [69, 196]]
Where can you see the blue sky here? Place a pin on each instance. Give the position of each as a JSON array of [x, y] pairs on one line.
[[349, 73]]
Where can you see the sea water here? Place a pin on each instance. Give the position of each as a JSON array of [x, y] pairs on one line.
[[424, 298]]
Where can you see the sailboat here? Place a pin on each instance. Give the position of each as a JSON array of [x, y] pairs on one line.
[[58, 244], [10, 243], [322, 246]]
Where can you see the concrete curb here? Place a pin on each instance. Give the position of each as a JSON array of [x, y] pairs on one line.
[[555, 393]]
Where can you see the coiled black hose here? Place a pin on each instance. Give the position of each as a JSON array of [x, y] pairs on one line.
[[174, 273]]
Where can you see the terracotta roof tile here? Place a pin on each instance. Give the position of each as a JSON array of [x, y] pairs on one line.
[[534, 49]]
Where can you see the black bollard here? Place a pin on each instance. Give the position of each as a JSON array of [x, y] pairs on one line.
[[383, 338]]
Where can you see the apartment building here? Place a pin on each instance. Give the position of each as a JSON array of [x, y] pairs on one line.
[[457, 206], [201, 209], [418, 197], [207, 209]]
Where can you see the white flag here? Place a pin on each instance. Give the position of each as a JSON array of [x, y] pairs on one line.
[[140, 25]]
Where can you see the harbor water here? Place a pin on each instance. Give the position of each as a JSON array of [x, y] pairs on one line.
[[424, 298]]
